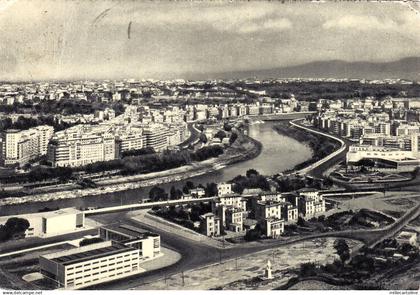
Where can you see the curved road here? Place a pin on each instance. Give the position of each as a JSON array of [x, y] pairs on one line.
[[196, 254]]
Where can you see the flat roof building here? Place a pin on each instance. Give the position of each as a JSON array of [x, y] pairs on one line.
[[90, 265], [119, 256], [51, 223]]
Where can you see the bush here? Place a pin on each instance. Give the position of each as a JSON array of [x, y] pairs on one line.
[[13, 226], [307, 269]]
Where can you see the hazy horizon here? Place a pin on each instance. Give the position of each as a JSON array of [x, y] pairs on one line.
[[69, 40]]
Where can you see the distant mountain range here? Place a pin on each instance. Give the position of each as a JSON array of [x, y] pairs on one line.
[[407, 68]]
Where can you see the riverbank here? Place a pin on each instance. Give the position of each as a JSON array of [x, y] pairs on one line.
[[243, 149], [321, 146]]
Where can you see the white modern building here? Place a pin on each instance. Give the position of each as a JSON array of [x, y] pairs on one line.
[[120, 255], [51, 223], [359, 152], [21, 146], [90, 265]]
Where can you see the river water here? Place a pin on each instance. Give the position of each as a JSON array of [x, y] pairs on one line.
[[278, 154]]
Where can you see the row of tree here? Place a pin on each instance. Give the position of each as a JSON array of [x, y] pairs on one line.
[[23, 123], [157, 193]]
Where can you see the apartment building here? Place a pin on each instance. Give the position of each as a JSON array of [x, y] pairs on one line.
[[234, 219], [272, 227], [73, 148], [290, 212], [210, 225], [18, 147], [224, 189], [268, 209], [310, 203], [128, 137], [156, 137], [236, 201]]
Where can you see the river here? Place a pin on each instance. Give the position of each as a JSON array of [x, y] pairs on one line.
[[279, 153]]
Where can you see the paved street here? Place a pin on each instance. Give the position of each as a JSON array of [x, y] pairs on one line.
[[197, 254]]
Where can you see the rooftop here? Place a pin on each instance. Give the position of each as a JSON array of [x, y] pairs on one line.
[[131, 232], [48, 214], [91, 254]]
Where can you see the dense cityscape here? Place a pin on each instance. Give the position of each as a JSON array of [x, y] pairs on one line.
[[110, 136]]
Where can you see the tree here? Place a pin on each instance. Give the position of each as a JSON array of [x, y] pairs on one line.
[[342, 249], [175, 193], [220, 135], [17, 225], [189, 185], [13, 226], [227, 127], [253, 234], [301, 221], [233, 137], [252, 172], [211, 189], [157, 194], [203, 138], [307, 269]]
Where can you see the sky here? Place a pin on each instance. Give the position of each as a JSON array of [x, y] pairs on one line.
[[64, 39]]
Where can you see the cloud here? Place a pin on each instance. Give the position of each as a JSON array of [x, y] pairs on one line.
[[265, 26], [359, 22], [233, 18]]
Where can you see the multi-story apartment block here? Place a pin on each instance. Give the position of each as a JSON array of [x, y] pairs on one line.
[[310, 203], [74, 147], [210, 225], [156, 137], [131, 139], [19, 147], [236, 201], [234, 219], [290, 212], [252, 110], [224, 189], [272, 227], [268, 209]]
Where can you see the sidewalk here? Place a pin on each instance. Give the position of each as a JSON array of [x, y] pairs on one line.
[[154, 221]]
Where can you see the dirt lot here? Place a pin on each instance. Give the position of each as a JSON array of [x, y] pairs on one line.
[[218, 275], [316, 285]]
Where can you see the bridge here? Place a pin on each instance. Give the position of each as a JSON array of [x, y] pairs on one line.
[[147, 205]]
